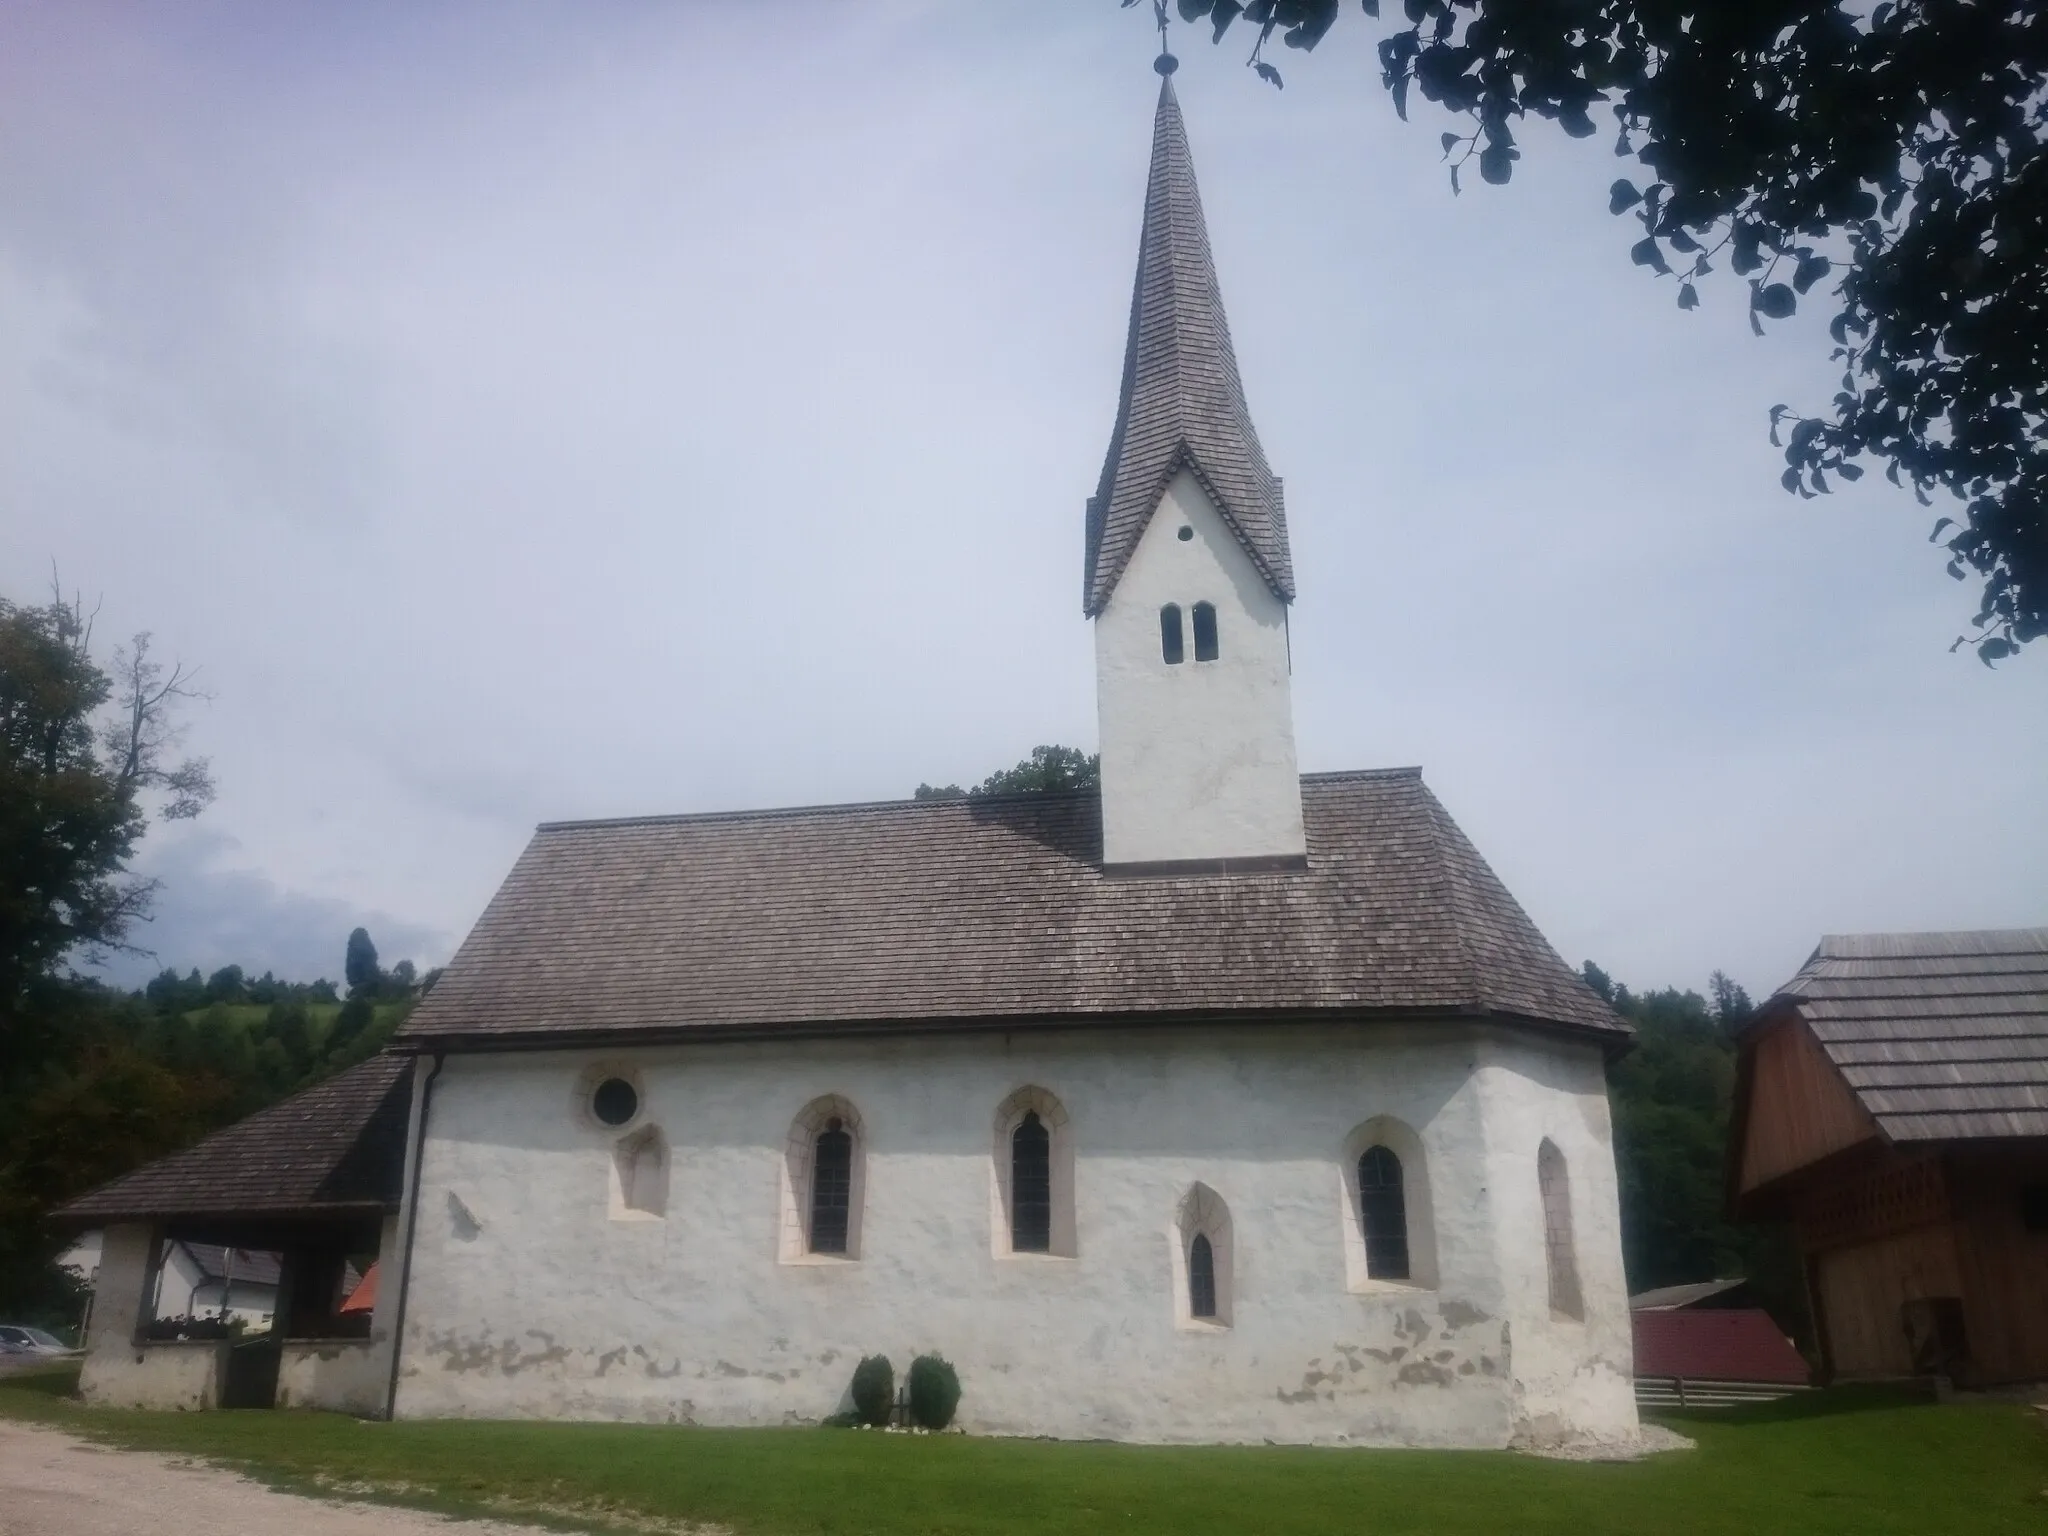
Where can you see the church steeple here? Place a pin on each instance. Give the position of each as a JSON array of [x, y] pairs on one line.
[[1182, 403], [1188, 574]]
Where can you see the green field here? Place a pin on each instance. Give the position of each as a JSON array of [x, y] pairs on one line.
[[1868, 1463]]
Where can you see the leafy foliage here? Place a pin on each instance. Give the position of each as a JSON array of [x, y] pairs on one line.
[[874, 1390], [1890, 156], [1046, 770], [80, 751], [934, 1391]]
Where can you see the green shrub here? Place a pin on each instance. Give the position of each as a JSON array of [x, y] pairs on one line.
[[934, 1391], [874, 1389]]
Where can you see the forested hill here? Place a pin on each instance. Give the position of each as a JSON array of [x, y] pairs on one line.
[[110, 1080], [1671, 1097]]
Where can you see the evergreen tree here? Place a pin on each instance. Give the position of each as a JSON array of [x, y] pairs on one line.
[[360, 967]]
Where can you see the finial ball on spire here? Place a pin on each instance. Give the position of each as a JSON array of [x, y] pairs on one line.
[[1166, 64]]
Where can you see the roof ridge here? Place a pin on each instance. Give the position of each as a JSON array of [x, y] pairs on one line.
[[908, 803], [1832, 945]]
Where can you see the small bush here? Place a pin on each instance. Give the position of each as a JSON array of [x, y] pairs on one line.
[[874, 1389], [934, 1391]]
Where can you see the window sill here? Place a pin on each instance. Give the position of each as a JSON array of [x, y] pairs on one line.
[[1390, 1288], [1200, 1325], [822, 1260], [1011, 1256], [634, 1218]]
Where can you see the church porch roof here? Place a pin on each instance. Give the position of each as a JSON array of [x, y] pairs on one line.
[[335, 1150]]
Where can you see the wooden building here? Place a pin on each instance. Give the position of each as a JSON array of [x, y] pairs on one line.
[[1891, 1104]]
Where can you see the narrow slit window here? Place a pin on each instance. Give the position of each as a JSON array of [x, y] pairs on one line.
[[1205, 632], [831, 1188], [1383, 1212], [1201, 1278], [1031, 1187], [1558, 1244], [1171, 646]]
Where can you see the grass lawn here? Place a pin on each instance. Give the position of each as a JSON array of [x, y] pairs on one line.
[[1862, 1462]]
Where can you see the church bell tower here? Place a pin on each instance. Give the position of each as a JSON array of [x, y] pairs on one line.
[[1188, 575]]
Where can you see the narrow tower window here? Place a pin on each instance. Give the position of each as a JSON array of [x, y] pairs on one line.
[[1383, 1210], [1205, 632], [1558, 1245], [1031, 1186], [1201, 1278], [1170, 645], [831, 1188]]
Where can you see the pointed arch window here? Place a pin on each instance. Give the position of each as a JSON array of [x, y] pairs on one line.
[[1205, 632], [1383, 1213], [1202, 1278], [1172, 648], [823, 1183], [1031, 1186], [640, 1175], [1559, 1249], [1388, 1215], [1033, 1177], [1202, 1269]]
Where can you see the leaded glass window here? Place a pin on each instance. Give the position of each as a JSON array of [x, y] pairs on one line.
[[1383, 1213], [1031, 1186], [831, 1187], [1201, 1278]]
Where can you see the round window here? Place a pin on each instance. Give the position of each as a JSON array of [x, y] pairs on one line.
[[615, 1102], [1186, 533]]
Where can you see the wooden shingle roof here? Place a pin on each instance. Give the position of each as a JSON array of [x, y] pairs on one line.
[[966, 913], [1942, 1036], [337, 1147], [1182, 404]]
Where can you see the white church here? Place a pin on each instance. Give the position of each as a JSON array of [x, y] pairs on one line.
[[1227, 1104]]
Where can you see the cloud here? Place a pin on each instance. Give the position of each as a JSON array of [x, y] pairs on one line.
[[209, 915], [645, 409]]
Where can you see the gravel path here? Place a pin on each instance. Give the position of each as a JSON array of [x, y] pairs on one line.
[[54, 1485]]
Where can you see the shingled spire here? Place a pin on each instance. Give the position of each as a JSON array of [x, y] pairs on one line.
[[1182, 403]]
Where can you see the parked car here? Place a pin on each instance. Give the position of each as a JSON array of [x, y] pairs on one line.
[[20, 1339]]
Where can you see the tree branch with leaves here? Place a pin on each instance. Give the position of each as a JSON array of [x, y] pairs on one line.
[[85, 759], [1889, 156]]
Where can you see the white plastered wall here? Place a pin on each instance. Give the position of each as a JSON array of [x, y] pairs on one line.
[[1572, 1376], [1198, 758], [347, 1375], [528, 1299], [122, 1370]]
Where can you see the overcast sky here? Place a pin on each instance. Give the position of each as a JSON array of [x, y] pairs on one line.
[[532, 411]]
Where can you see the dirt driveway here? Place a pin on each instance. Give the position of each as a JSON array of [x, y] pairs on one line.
[[54, 1485]]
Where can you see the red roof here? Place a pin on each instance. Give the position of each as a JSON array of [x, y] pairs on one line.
[[1736, 1344], [364, 1297]]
